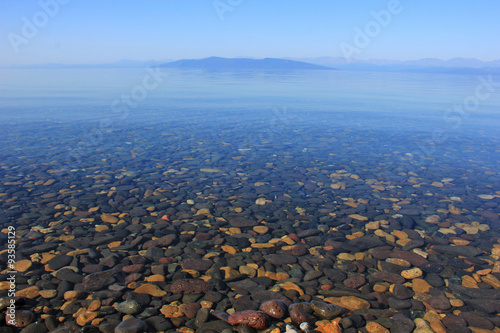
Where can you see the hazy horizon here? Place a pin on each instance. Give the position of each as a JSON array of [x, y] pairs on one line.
[[68, 32]]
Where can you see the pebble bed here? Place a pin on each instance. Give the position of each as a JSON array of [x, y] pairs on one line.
[[199, 227]]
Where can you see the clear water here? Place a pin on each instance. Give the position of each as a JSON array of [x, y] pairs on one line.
[[384, 126], [319, 146]]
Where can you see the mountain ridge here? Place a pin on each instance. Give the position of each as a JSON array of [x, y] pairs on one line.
[[218, 63], [456, 65]]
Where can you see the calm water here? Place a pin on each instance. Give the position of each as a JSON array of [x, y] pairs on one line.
[[311, 155], [393, 111]]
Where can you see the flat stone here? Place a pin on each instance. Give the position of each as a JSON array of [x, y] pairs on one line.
[[281, 259], [458, 250], [355, 282], [108, 218], [22, 318], [412, 257], [354, 303], [388, 277], [45, 247], [99, 280], [420, 286], [150, 289], [490, 294], [22, 265], [402, 292], [189, 286], [374, 327], [29, 292], [239, 222], [327, 310], [131, 325], [59, 261], [475, 320], [440, 302], [199, 265]]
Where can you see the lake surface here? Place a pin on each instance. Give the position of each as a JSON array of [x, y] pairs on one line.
[[243, 169]]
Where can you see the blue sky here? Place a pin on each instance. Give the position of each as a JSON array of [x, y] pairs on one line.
[[92, 31]]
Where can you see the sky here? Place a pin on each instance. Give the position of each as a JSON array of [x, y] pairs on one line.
[[102, 31]]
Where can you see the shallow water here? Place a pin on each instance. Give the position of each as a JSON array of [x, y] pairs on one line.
[[293, 151]]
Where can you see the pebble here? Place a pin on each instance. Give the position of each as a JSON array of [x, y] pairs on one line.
[[325, 310], [158, 240], [355, 282], [108, 218], [422, 326], [128, 307], [412, 273], [190, 286], [254, 319], [299, 316], [373, 327], [354, 303], [22, 318], [99, 280], [274, 308], [402, 292], [388, 277], [131, 325], [434, 320]]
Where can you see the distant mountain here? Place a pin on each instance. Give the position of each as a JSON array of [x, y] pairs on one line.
[[426, 65], [217, 63]]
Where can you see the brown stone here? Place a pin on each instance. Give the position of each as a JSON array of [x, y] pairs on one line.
[[412, 257], [30, 292], [254, 319], [190, 309], [355, 282], [171, 310], [48, 293], [300, 316], [412, 273], [420, 286], [22, 265], [354, 303], [327, 326], [434, 320], [274, 308], [108, 218], [133, 268], [374, 327], [189, 286], [86, 317], [22, 319], [150, 289], [491, 280], [94, 305], [389, 277]]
